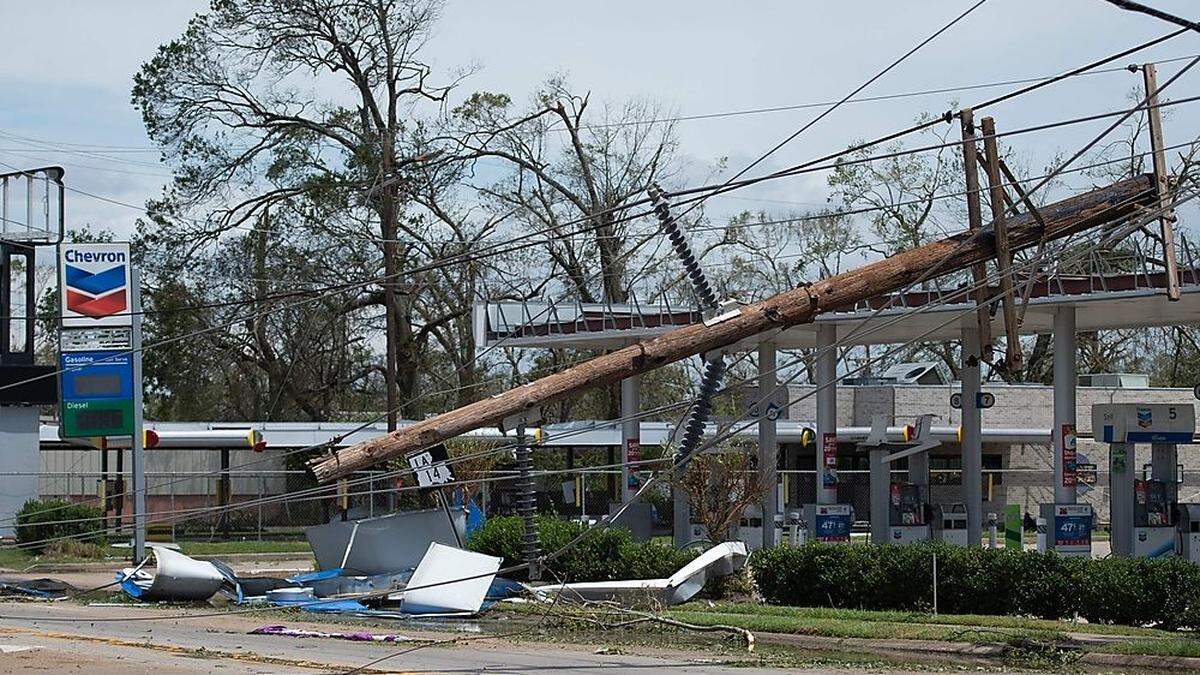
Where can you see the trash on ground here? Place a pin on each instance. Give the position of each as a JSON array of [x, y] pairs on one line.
[[372, 568], [41, 589], [13, 649], [450, 580], [384, 544], [333, 582], [718, 561], [359, 636], [176, 577]]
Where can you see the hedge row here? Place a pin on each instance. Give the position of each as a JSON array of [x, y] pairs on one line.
[[1132, 591], [40, 523], [603, 555]]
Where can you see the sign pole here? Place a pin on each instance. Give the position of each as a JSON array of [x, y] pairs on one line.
[[441, 496], [139, 463]]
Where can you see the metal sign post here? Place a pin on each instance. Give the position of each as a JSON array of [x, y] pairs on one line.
[[139, 462], [100, 360]]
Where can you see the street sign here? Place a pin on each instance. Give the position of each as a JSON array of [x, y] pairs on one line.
[[431, 466], [97, 394], [94, 280]]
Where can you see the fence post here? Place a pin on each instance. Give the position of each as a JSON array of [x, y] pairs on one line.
[[261, 488], [935, 584], [173, 510]]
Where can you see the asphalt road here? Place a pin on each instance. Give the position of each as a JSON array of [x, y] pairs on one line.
[[100, 640]]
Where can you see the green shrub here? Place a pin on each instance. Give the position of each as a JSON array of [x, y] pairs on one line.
[[602, 555], [1164, 592], [40, 523]]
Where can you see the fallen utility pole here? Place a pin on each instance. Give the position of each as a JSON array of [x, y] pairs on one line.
[[790, 308], [1012, 353]]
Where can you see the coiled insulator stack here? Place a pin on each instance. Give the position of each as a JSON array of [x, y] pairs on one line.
[[662, 209], [693, 430], [527, 506]]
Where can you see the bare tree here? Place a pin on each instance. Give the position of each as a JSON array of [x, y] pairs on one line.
[[566, 169], [720, 484], [312, 106]]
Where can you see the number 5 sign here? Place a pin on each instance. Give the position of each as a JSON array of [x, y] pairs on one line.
[[431, 466]]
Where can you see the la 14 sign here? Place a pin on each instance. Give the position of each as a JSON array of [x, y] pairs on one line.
[[95, 280]]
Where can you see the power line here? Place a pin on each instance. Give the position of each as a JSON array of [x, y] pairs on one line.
[[1000, 98], [729, 186], [721, 436], [101, 151], [808, 125], [1061, 167]]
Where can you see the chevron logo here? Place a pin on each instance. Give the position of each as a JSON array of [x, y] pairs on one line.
[[96, 294]]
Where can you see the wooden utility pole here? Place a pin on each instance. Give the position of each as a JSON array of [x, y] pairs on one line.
[[975, 224], [1013, 358], [1166, 216], [790, 308]]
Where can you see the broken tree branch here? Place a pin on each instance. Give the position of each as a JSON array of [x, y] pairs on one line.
[[790, 308]]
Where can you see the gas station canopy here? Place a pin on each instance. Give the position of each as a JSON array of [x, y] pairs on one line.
[[1101, 301]]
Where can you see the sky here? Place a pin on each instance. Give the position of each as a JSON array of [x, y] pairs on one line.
[[68, 66]]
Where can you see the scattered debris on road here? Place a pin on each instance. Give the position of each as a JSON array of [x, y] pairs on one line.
[[358, 636]]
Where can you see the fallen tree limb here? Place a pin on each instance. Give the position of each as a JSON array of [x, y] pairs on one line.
[[790, 308]]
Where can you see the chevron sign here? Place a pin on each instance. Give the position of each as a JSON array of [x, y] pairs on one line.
[[95, 284]]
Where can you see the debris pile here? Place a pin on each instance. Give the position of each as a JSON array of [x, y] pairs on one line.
[[719, 561], [393, 566], [401, 565]]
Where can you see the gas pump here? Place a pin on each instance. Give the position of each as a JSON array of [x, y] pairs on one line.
[[1187, 531], [1153, 513], [1143, 510], [900, 510], [910, 514]]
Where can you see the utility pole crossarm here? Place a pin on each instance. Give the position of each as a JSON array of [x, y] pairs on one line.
[[790, 308]]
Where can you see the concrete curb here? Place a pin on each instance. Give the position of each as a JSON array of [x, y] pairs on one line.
[[1141, 662], [920, 650], [973, 654], [303, 560]]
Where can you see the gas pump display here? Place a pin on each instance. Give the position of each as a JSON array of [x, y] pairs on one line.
[[1152, 503], [1153, 512], [907, 518], [907, 506]]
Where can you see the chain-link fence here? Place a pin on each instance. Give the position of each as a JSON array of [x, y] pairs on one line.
[[270, 496]]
